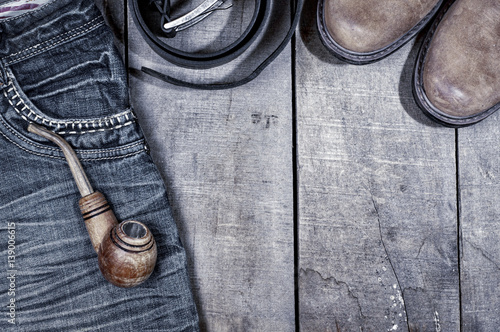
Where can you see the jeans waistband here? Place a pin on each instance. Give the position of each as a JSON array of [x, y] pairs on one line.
[[59, 68], [46, 26]]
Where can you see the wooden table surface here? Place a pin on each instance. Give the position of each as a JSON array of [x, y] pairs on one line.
[[318, 197]]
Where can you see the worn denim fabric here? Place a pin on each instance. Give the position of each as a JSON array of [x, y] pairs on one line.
[[59, 68]]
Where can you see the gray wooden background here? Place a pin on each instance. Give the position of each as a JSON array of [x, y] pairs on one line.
[[318, 197]]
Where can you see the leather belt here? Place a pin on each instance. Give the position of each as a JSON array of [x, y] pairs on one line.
[[181, 58]]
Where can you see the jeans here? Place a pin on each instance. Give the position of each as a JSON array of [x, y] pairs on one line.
[[59, 68]]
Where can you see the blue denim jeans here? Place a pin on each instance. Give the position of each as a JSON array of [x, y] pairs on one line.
[[59, 68]]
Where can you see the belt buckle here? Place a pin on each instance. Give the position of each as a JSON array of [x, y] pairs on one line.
[[171, 26]]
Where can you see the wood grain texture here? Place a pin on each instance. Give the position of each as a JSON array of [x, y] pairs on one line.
[[98, 217], [226, 159], [480, 213], [127, 254], [378, 248], [377, 203]]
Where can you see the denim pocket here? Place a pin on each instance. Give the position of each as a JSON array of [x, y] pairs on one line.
[[59, 68], [82, 77], [75, 84]]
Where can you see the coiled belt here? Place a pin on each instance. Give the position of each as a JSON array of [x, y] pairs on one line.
[[205, 60]]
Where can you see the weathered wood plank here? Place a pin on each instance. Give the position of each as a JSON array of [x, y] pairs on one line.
[[377, 203], [480, 212], [226, 159]]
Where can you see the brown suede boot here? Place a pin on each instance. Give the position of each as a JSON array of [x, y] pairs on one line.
[[364, 31], [457, 75]]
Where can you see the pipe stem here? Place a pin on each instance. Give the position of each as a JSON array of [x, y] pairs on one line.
[[76, 168]]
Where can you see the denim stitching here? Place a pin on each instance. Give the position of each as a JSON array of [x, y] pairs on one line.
[[93, 130], [38, 45], [29, 151], [62, 158], [141, 142], [79, 152], [56, 37], [112, 158], [54, 43], [38, 146], [27, 13], [61, 127]]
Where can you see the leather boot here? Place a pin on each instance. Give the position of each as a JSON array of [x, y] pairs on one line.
[[364, 31], [457, 74]]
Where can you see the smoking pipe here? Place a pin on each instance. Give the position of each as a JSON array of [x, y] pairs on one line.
[[126, 251]]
